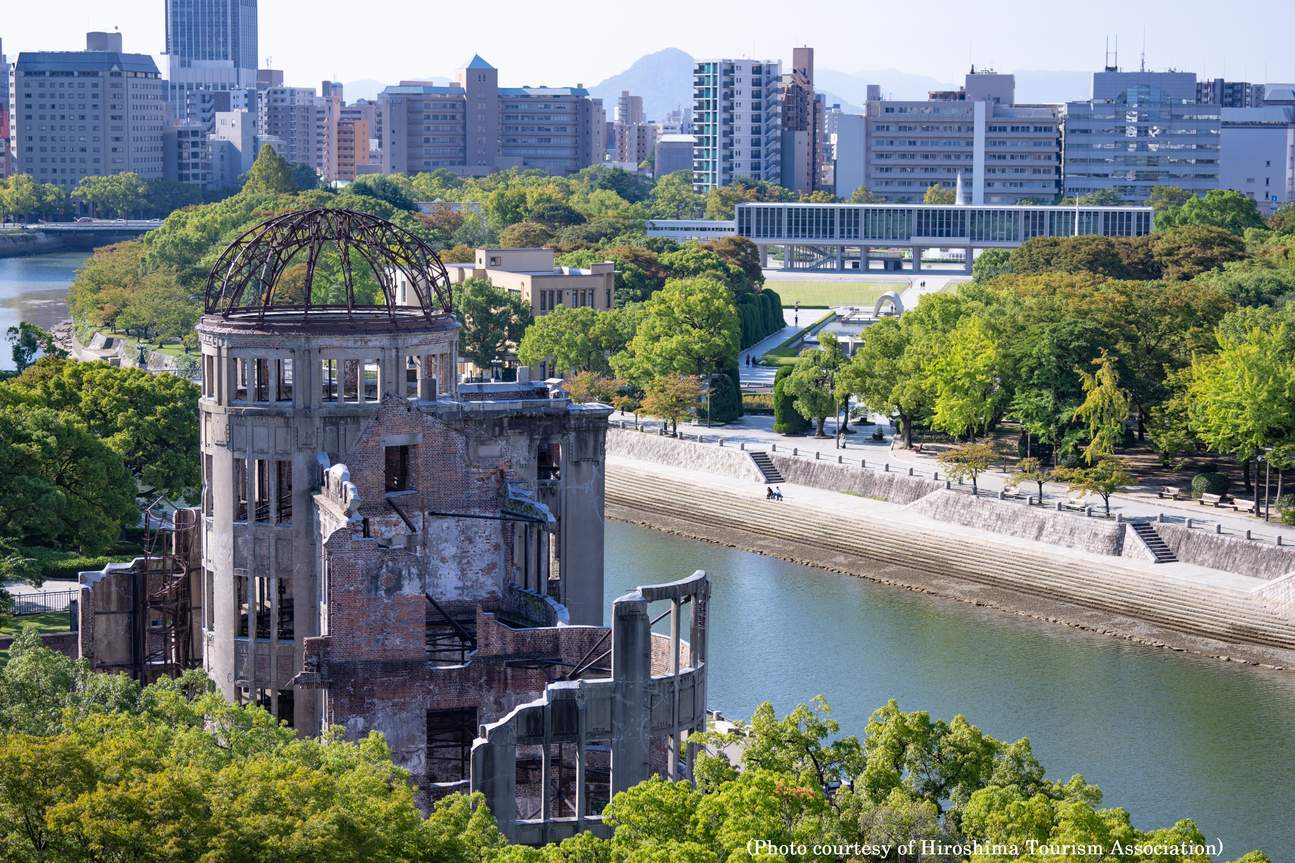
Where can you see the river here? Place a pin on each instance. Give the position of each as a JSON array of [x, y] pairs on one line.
[[34, 289], [1166, 736]]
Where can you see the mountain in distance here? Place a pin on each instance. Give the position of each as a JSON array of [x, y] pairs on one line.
[[663, 79]]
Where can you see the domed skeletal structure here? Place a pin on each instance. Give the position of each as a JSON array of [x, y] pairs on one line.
[[271, 271]]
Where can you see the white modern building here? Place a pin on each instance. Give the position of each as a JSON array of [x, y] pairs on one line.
[[1141, 130], [1003, 153], [1257, 154], [849, 140], [736, 122]]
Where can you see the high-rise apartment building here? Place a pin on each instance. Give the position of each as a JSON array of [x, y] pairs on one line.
[[805, 167], [476, 127], [629, 109], [735, 120], [352, 147], [1141, 130], [93, 112], [1000, 152], [187, 153], [306, 125], [636, 142], [211, 48], [233, 147], [1229, 94]]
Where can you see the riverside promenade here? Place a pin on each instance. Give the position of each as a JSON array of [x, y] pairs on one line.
[[911, 532]]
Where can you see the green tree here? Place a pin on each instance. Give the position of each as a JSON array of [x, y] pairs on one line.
[[812, 382], [884, 375], [1105, 477], [1220, 208], [688, 327], [19, 196], [28, 341], [1187, 251], [493, 321], [1165, 198], [1100, 198], [937, 194], [525, 235], [1030, 469], [59, 484], [270, 174], [673, 198], [150, 421], [968, 461], [584, 387], [1105, 408], [990, 263], [114, 195], [673, 397], [394, 189], [861, 195], [786, 419], [965, 379]]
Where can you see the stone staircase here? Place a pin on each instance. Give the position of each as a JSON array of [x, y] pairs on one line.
[[1157, 546], [765, 465], [1113, 585]]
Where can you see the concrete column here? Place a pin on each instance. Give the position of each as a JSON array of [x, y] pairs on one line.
[[426, 378], [917, 259], [631, 679], [971, 258]]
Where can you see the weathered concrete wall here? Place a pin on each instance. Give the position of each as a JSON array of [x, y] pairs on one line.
[[690, 455], [65, 643], [893, 487], [1229, 553], [16, 245], [1009, 518], [1134, 548], [1278, 595]]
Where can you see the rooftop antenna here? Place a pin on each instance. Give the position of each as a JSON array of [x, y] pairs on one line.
[[1142, 61]]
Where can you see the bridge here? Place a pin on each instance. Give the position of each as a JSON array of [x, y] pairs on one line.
[[844, 237], [133, 227]]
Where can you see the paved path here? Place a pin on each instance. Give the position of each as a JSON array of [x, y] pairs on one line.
[[757, 375], [758, 431]]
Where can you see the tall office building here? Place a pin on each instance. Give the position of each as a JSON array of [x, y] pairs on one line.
[[805, 167], [5, 158], [1229, 94], [1001, 152], [735, 121], [211, 48], [475, 127], [93, 112], [1141, 130]]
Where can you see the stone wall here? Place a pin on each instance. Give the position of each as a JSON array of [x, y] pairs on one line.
[[1012, 518], [1228, 553], [893, 487], [689, 455], [66, 643]]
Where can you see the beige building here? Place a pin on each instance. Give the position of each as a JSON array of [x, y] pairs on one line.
[[541, 284]]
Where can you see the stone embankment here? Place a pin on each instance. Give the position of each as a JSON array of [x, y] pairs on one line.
[[17, 244], [1091, 573]]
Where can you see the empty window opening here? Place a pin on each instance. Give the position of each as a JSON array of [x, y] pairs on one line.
[[411, 377], [283, 379], [449, 743], [283, 712], [397, 468], [351, 380], [371, 380], [240, 490], [261, 468], [261, 605], [206, 484], [240, 380], [286, 617], [328, 380], [283, 485], [549, 465], [262, 380], [241, 600]]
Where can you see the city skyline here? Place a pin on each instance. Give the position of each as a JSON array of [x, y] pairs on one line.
[[1002, 35]]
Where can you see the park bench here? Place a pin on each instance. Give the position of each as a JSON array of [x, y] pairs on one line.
[[1172, 492], [1077, 503], [1214, 500], [1242, 505]]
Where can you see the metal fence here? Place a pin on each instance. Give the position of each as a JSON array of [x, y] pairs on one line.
[[43, 602]]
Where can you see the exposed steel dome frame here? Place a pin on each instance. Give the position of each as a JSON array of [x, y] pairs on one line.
[[243, 281]]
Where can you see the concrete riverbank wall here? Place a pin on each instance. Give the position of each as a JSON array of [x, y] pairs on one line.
[[17, 244], [1260, 559]]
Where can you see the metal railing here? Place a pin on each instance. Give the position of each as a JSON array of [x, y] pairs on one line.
[[43, 602]]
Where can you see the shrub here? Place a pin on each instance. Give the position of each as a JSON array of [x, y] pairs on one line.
[[757, 403], [1286, 508], [1209, 483], [786, 419], [726, 397]]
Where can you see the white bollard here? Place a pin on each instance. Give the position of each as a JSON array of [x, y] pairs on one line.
[[910, 471]]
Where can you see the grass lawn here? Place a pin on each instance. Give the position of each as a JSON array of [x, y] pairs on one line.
[[787, 352], [830, 293], [50, 621]]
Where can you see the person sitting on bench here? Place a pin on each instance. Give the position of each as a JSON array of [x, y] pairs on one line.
[[768, 492]]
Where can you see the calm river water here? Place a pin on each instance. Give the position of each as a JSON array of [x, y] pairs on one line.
[[34, 289], [1165, 736]]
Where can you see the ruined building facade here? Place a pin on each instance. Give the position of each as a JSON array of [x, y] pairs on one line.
[[384, 548]]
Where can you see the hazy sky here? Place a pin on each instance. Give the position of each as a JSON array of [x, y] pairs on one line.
[[564, 42]]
